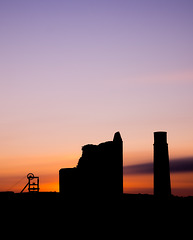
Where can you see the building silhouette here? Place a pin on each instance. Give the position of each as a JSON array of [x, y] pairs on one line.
[[162, 185], [98, 174]]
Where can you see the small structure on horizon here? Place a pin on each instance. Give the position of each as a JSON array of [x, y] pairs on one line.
[[32, 186], [162, 185]]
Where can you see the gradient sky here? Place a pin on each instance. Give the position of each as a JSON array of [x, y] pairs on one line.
[[75, 72]]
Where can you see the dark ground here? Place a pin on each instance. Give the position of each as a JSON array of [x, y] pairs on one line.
[[135, 215]]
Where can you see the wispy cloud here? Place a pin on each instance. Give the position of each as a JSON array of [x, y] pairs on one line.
[[176, 166]]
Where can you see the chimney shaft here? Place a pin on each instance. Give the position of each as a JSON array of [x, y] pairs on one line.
[[162, 186]]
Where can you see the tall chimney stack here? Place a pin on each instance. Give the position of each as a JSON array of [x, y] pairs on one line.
[[162, 185]]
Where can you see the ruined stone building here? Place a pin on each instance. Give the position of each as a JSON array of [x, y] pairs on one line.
[[99, 172]]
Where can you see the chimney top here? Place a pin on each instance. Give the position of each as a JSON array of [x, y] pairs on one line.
[[160, 137]]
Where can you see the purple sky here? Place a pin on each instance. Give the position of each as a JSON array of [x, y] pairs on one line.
[[75, 72]]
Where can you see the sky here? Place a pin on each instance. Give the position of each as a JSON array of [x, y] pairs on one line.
[[75, 72]]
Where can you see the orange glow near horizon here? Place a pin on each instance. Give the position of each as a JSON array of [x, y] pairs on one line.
[[138, 184], [50, 187], [16, 165], [181, 184], [47, 168]]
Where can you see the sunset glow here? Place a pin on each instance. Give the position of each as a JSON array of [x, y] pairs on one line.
[[75, 72]]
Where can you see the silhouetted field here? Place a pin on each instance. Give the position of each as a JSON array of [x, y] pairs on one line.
[[135, 213], [59, 199]]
